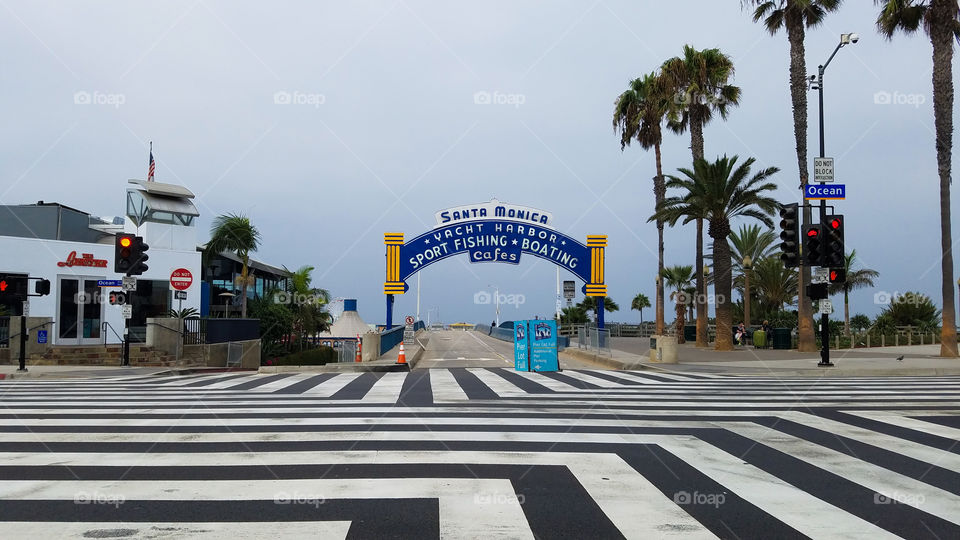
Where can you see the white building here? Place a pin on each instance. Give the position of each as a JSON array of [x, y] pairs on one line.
[[75, 251]]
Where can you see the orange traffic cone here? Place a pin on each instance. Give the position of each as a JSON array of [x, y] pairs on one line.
[[402, 357], [359, 349]]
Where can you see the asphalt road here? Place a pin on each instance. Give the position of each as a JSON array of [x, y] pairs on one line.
[[452, 348], [479, 453]]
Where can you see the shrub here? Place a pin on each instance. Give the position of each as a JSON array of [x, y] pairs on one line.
[[309, 357]]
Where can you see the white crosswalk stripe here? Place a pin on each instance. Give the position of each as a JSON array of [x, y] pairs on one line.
[[471, 452]]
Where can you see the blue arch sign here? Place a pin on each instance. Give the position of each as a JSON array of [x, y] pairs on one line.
[[493, 232]]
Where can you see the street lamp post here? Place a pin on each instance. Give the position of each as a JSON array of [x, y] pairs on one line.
[[817, 82], [496, 299], [747, 266]]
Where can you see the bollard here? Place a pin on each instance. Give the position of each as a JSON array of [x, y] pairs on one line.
[[868, 340], [883, 340], [896, 339]]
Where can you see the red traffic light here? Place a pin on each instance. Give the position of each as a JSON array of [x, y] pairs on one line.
[[835, 223], [833, 275], [3, 285], [813, 233]]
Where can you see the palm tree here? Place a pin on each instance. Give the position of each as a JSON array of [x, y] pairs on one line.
[[308, 303], [700, 81], [589, 304], [721, 191], [795, 16], [638, 115], [750, 242], [639, 302], [678, 278], [774, 284], [235, 232], [856, 279], [941, 21]]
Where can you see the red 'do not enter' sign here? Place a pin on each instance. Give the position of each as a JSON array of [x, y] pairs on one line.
[[181, 279]]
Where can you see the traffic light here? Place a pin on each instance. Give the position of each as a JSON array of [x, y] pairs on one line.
[[139, 257], [833, 254], [42, 287], [812, 245], [117, 298], [13, 287], [837, 276], [130, 255], [789, 248], [123, 253]]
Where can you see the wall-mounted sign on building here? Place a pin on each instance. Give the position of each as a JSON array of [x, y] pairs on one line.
[[86, 259]]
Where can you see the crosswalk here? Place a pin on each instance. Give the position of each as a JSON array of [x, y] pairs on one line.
[[480, 452]]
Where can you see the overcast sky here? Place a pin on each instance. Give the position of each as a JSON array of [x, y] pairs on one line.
[[383, 129]]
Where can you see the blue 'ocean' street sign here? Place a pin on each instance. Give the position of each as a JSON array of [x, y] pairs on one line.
[[825, 191], [109, 283]]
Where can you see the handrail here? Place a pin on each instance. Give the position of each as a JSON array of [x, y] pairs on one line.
[[167, 328], [103, 328], [41, 325]]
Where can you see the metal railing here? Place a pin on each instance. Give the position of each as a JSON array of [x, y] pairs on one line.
[[594, 339], [194, 331]]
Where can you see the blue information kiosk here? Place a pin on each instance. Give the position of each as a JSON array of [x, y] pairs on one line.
[[535, 346]]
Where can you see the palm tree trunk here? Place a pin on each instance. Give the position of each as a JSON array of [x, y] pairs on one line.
[[941, 34], [722, 284], [678, 324], [701, 297], [659, 193], [798, 95], [696, 148], [846, 313]]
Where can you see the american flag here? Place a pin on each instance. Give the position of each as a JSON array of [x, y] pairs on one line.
[[153, 166]]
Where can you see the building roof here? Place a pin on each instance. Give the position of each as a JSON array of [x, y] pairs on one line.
[[160, 188], [253, 263]]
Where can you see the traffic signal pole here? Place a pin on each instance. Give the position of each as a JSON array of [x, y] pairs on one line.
[[23, 344], [824, 318]]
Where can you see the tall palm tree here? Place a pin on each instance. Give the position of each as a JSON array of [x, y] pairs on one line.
[[856, 279], [722, 191], [700, 81], [795, 16], [941, 21], [235, 232], [678, 278], [638, 115], [639, 302]]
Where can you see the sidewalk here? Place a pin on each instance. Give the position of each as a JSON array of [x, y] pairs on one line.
[[9, 371], [918, 360]]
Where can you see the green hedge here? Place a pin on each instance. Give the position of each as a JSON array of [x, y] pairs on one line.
[[310, 357]]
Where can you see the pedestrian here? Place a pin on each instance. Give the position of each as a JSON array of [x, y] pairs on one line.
[[741, 334], [765, 326]]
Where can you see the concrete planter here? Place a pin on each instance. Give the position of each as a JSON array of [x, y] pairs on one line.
[[666, 350]]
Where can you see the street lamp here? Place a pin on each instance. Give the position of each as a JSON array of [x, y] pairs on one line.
[[747, 266], [496, 295], [816, 81]]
